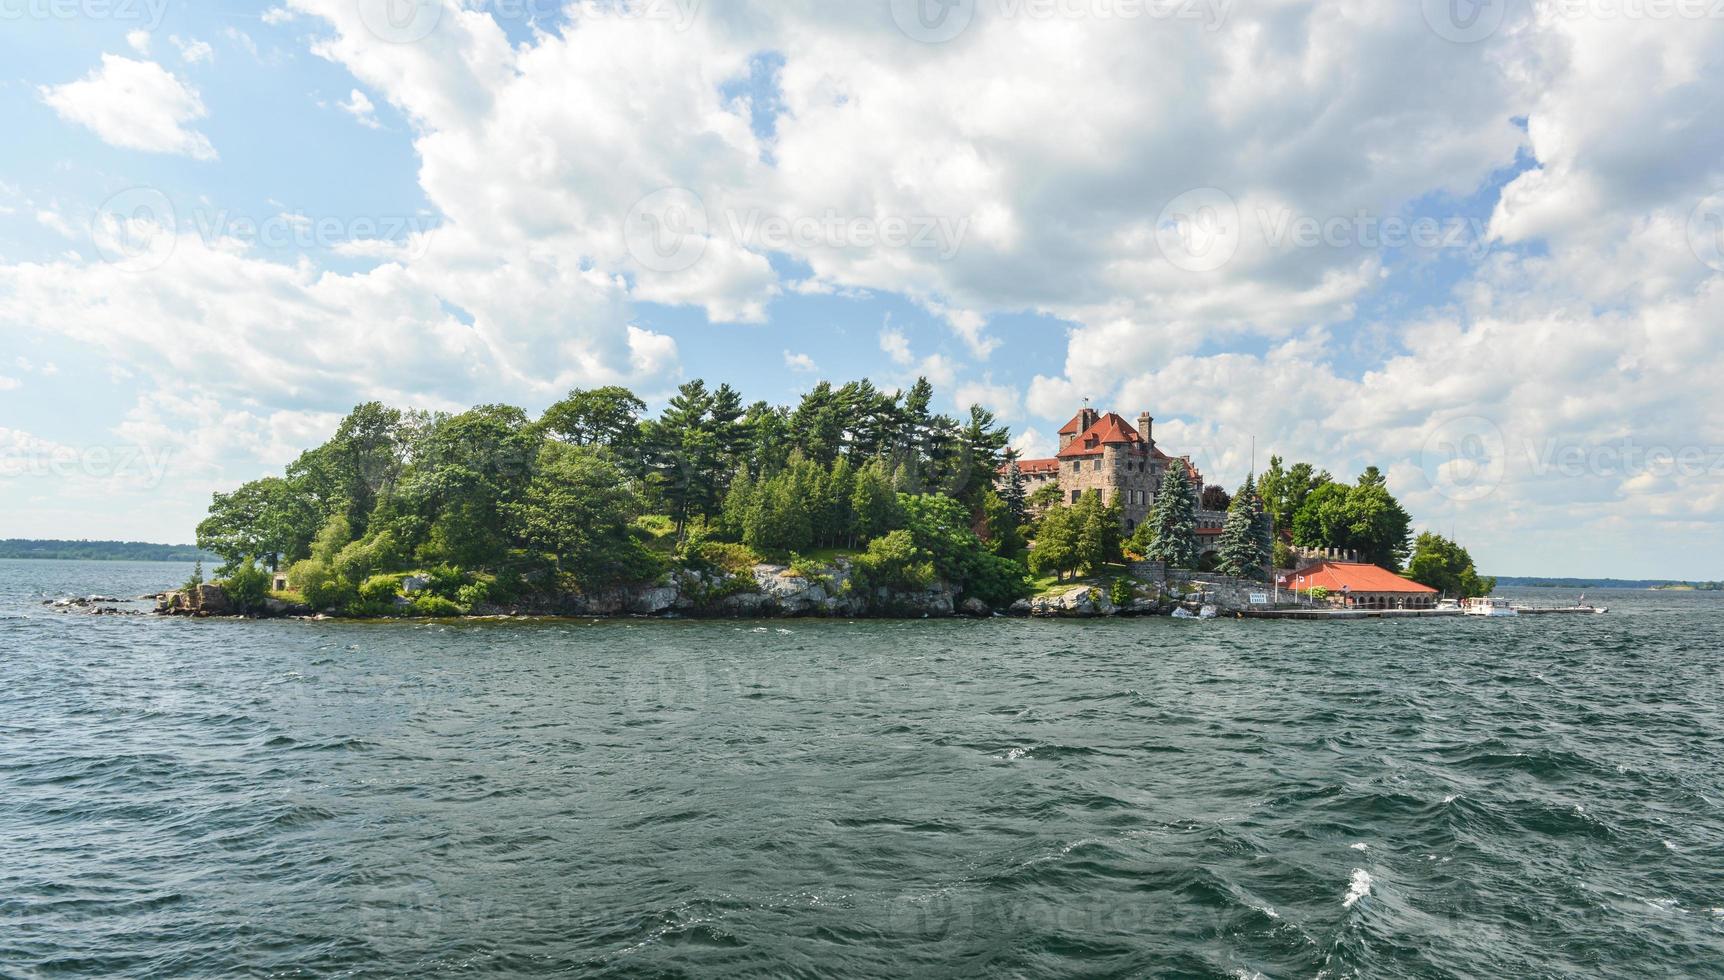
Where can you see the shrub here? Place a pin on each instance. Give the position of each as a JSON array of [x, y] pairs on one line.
[[446, 581], [380, 588], [1121, 593], [247, 587], [322, 588], [893, 562], [436, 607], [732, 559], [998, 581], [473, 595]]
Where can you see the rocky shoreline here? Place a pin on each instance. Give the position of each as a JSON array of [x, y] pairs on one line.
[[765, 591]]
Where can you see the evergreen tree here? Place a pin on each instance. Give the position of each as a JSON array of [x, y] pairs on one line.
[[1243, 552], [1170, 534], [1013, 493], [1098, 531], [1056, 544], [874, 503]]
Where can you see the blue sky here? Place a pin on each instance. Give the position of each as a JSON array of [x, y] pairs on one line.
[[1211, 218]]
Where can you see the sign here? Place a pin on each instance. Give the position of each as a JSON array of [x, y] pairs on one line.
[[1260, 598]]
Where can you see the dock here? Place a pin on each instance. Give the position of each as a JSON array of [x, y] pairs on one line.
[[1328, 614]]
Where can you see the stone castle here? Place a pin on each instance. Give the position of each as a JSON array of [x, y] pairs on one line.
[[1105, 454]]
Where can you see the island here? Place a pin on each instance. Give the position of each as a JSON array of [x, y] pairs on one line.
[[856, 501]]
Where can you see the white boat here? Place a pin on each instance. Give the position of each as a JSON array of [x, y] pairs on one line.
[[1490, 606], [1449, 605]]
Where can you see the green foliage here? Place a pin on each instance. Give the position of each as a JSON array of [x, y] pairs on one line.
[[1170, 533], [1245, 548], [1319, 594], [1364, 517], [1056, 550], [1121, 592], [380, 588], [197, 578], [247, 586], [437, 607], [1001, 524], [1445, 566], [940, 528], [1045, 496], [892, 561], [607, 416], [578, 511], [322, 588], [1284, 491], [475, 594]]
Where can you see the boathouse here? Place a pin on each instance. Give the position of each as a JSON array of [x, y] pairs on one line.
[[1356, 585]]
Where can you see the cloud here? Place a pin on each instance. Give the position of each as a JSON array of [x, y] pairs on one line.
[[8, 383], [135, 105], [360, 107], [800, 362], [896, 346], [1003, 400], [56, 222], [192, 50], [139, 41]]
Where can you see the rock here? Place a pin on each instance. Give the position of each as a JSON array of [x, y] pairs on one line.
[[976, 607], [212, 600], [415, 583], [654, 601]]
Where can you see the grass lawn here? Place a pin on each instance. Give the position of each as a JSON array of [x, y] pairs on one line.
[[1046, 585]]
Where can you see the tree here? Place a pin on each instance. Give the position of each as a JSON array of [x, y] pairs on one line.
[[1244, 549], [1013, 493], [686, 453], [874, 502], [1377, 525], [1322, 519], [578, 513], [1056, 545], [1284, 490], [1445, 566], [1098, 531], [1170, 533], [608, 416], [1216, 498], [266, 518], [1045, 496]]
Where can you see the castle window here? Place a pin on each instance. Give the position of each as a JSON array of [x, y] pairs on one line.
[[1077, 495], [1097, 465]]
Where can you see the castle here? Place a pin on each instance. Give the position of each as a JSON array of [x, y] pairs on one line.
[[1103, 453]]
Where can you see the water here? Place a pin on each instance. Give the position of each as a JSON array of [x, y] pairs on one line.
[[1437, 798]]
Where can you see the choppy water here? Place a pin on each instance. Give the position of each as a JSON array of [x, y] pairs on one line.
[[1528, 798]]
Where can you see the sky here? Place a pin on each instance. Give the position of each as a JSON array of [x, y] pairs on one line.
[[1479, 245]]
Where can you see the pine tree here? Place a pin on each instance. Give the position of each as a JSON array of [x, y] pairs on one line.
[[1172, 524], [1017, 500], [1245, 547]]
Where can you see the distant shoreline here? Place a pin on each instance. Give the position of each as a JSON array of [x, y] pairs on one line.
[[47, 549]]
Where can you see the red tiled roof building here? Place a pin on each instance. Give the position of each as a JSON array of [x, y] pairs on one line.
[[1361, 586], [1105, 454]]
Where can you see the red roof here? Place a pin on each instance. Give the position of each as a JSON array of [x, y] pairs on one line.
[[1334, 575], [1031, 466], [1108, 430], [1075, 426]]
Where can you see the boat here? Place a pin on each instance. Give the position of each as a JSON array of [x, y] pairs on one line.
[[1490, 606], [1449, 605]]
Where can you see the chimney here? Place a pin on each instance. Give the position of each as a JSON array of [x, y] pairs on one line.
[[1146, 428]]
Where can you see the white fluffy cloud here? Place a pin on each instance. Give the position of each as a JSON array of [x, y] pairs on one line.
[[137, 105], [1036, 165]]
